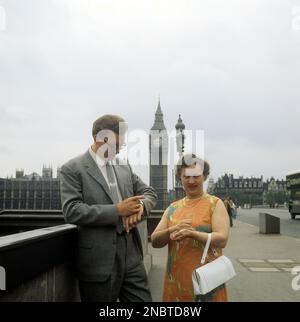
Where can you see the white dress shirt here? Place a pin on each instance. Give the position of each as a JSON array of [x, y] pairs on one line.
[[102, 167]]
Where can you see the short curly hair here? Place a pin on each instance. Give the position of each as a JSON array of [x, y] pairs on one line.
[[191, 159]]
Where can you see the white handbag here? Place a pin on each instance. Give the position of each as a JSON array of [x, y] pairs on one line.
[[211, 275]]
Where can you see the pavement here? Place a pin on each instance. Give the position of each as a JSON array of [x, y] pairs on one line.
[[263, 264], [288, 226]]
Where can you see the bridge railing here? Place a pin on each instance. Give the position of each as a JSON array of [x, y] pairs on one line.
[[39, 263]]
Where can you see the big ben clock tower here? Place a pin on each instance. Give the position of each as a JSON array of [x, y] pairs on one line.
[[159, 147]]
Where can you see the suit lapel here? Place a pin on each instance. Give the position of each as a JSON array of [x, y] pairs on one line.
[[95, 172]]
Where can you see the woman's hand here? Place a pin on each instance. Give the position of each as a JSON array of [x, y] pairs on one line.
[[183, 233], [182, 230], [183, 224]]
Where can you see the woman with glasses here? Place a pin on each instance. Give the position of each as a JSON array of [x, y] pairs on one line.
[[184, 227]]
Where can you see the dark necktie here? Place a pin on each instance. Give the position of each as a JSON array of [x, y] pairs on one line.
[[114, 192]]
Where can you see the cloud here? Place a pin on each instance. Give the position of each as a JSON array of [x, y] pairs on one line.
[[230, 68], [240, 156]]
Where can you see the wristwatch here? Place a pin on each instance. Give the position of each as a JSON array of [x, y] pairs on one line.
[[142, 203]]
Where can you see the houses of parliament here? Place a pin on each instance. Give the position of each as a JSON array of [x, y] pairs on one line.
[[42, 192]]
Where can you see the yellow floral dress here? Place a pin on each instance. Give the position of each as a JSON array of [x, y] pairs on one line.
[[185, 256]]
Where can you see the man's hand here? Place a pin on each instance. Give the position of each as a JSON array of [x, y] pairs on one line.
[[131, 221], [129, 206]]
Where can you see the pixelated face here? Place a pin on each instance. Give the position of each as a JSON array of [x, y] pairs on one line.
[[192, 179], [109, 144]]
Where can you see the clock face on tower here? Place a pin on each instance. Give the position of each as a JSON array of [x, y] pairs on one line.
[[156, 142]]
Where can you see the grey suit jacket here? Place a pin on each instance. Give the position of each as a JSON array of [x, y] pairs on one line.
[[87, 203]]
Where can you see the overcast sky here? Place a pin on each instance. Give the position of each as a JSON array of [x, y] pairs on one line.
[[231, 68]]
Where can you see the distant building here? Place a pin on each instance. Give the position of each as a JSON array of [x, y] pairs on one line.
[[253, 191], [241, 190], [159, 148], [275, 192], [210, 186], [180, 137], [30, 191], [47, 173], [275, 185]]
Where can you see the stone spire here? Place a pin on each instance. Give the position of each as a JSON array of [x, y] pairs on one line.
[[159, 119], [180, 125], [180, 136]]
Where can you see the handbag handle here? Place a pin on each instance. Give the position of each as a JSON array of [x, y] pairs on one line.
[[206, 248]]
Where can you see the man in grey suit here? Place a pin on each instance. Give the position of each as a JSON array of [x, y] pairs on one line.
[[106, 201]]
